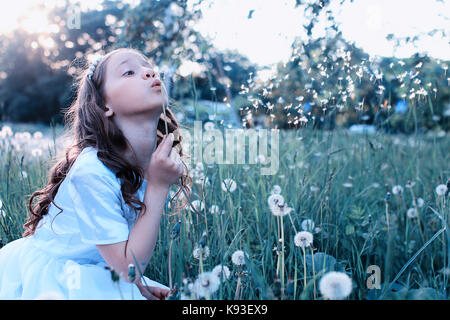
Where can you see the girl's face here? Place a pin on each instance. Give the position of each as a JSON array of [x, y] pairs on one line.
[[128, 86]]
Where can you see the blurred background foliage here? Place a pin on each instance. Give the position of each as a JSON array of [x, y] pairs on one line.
[[328, 82]]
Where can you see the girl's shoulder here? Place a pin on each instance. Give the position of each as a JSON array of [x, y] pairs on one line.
[[88, 164]]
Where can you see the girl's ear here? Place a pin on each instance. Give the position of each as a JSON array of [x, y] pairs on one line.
[[108, 112]]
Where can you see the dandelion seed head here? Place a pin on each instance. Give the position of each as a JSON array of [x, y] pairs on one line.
[[206, 284], [203, 251], [275, 199], [412, 213], [276, 189], [420, 202], [441, 190], [335, 285], [238, 257], [307, 225], [229, 185], [303, 239], [221, 270], [397, 190]]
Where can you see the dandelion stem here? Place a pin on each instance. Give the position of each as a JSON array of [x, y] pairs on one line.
[[282, 258], [170, 265], [238, 287], [304, 267], [314, 273]]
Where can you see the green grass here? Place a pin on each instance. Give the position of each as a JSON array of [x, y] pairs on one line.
[[352, 219]]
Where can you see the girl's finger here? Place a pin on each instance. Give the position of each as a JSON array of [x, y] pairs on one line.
[[166, 145]]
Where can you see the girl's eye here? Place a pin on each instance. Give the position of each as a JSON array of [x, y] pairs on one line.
[[128, 72]]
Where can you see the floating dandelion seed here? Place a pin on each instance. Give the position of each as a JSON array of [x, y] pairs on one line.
[[303, 239], [24, 174], [221, 271], [238, 257], [335, 285], [397, 190], [229, 185], [206, 284], [314, 188], [307, 225], [412, 213], [441, 190]]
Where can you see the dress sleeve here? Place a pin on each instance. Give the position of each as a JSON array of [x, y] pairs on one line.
[[98, 209]]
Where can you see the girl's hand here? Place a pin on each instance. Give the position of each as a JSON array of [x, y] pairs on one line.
[[154, 293], [165, 167]]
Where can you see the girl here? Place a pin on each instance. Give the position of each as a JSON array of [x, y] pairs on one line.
[[119, 156]]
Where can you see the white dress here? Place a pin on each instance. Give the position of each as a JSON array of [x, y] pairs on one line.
[[61, 258]]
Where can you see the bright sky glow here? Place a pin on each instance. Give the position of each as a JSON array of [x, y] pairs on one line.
[[267, 37]]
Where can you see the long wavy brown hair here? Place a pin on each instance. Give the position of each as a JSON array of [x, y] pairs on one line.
[[88, 126]]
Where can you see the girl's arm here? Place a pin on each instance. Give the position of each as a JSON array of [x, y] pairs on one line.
[[164, 171], [142, 239]]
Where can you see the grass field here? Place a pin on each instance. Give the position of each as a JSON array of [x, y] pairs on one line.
[[347, 184]]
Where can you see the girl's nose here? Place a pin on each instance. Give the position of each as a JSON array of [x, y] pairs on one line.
[[149, 74]]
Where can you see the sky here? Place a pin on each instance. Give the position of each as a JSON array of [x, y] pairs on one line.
[[266, 38]]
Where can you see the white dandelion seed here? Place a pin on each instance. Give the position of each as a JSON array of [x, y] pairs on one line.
[[303, 239], [314, 189], [275, 199], [221, 271], [441, 190], [412, 213], [206, 284], [229, 185], [198, 205], [280, 210], [420, 202], [204, 252], [24, 174], [347, 184], [36, 152], [410, 184], [37, 135], [335, 285], [214, 209], [6, 130], [307, 225], [397, 190], [276, 189], [238, 257]]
